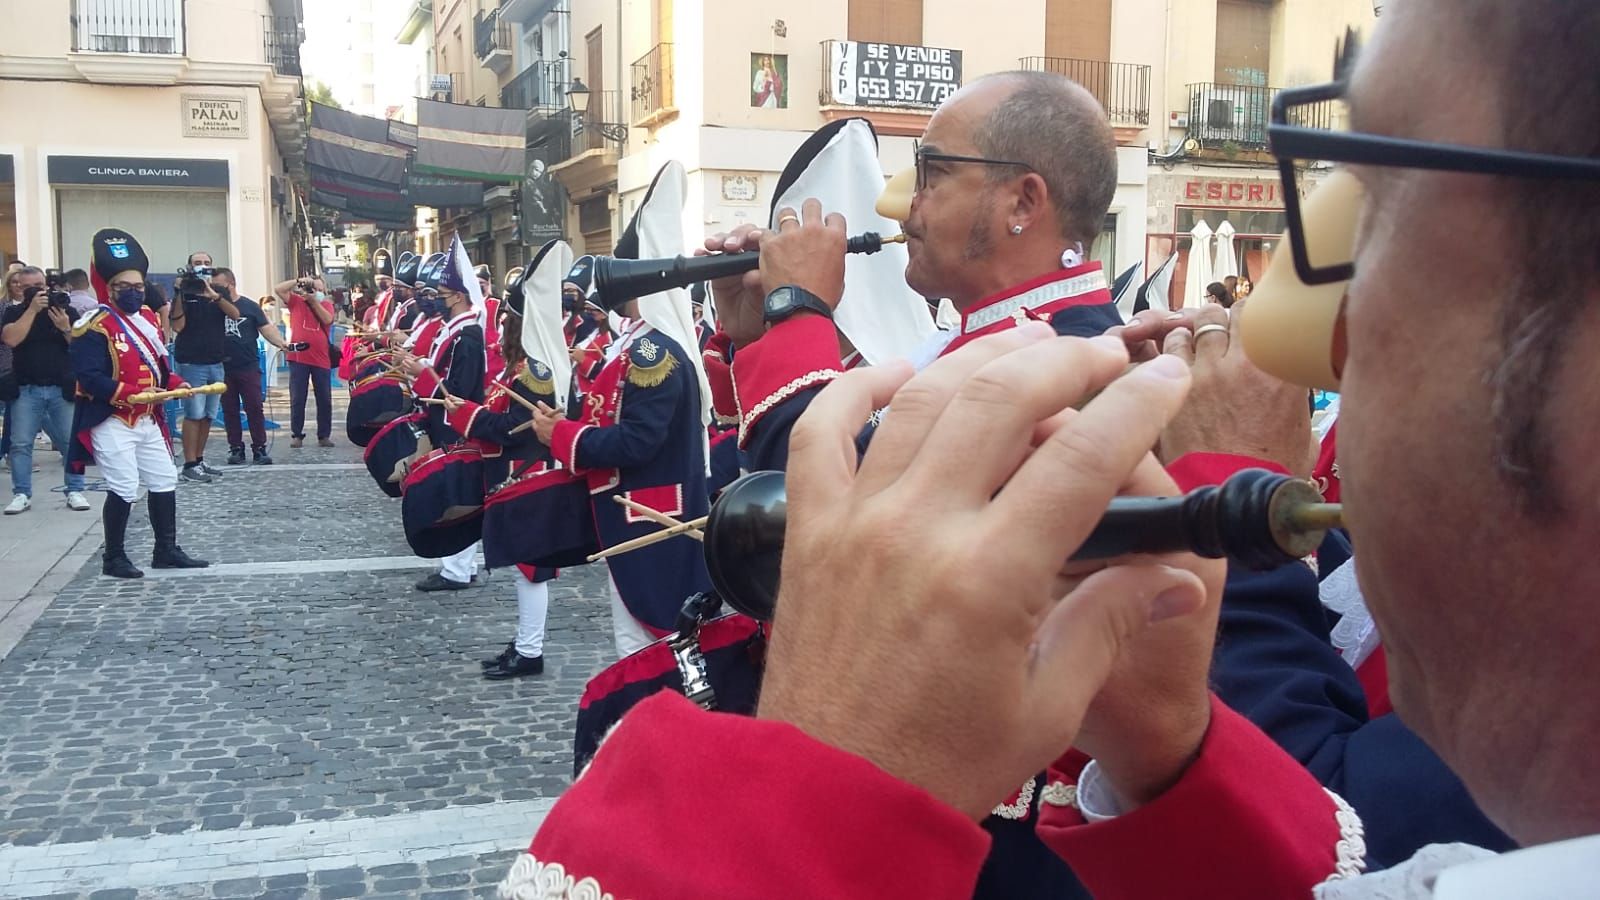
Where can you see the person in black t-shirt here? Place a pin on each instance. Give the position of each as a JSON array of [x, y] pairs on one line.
[[241, 370], [198, 315], [37, 332]]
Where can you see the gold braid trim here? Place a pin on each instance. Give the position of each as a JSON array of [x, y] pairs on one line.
[[90, 323], [650, 376], [534, 383]]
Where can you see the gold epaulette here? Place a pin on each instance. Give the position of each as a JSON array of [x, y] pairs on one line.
[[530, 378], [90, 322], [651, 375]]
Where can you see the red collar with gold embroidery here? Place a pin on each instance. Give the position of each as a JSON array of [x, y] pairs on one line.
[[1040, 299]]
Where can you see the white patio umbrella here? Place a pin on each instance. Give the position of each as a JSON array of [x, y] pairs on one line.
[[1227, 254], [1197, 274]]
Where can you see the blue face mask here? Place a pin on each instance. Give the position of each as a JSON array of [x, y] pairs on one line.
[[321, 296], [129, 300]]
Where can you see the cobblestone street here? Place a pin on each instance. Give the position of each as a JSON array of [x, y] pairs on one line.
[[296, 721]]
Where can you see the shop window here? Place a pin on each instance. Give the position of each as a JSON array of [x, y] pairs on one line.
[[169, 223]]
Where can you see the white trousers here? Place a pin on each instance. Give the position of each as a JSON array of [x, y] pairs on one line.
[[533, 605], [629, 634], [460, 567], [126, 456]]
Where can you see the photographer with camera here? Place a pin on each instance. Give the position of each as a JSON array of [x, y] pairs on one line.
[[310, 311], [242, 370], [199, 316], [37, 330]]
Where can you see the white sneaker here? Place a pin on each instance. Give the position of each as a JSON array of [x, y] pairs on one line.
[[77, 501], [19, 504]]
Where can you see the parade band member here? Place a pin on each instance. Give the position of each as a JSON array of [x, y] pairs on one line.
[[117, 353], [454, 365], [642, 436], [530, 322], [491, 320]]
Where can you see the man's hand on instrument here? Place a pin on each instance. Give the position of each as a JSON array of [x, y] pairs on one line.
[[575, 354], [1146, 331], [807, 251], [544, 422], [412, 366], [451, 401], [1235, 407], [960, 660], [739, 297]]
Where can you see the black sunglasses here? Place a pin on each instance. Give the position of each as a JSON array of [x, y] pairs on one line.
[[1291, 142], [923, 157]]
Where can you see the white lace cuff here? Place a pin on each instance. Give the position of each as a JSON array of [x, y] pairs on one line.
[[1096, 799]]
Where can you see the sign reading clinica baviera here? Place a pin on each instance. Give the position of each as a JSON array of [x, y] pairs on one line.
[[213, 117]]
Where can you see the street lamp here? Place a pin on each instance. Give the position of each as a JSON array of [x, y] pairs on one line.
[[578, 96]]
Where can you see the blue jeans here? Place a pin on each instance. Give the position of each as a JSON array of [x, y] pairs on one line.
[[201, 406], [320, 383], [39, 407]]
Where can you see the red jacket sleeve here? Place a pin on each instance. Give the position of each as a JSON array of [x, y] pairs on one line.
[[797, 355], [769, 812], [1245, 821]]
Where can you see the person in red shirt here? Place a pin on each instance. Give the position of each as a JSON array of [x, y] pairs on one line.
[[310, 324]]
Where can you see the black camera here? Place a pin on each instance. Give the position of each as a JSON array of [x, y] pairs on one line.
[[194, 279], [299, 346], [56, 285]]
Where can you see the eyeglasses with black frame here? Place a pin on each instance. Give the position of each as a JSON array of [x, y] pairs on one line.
[[923, 157], [1295, 143]]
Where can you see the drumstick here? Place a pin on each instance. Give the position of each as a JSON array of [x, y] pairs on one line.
[[433, 400], [649, 539], [659, 518]]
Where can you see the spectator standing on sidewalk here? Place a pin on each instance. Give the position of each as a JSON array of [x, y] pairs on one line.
[[310, 322], [37, 334], [197, 316], [83, 299], [241, 370]]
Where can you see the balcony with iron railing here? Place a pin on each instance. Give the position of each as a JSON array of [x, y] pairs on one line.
[[582, 149], [128, 26], [539, 86], [1230, 118], [492, 38], [281, 40], [652, 93], [1123, 89]]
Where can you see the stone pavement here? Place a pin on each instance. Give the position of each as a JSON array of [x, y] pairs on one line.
[[295, 722]]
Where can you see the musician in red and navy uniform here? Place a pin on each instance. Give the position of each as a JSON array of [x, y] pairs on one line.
[[116, 354], [491, 320], [589, 329], [454, 364], [641, 438], [511, 450]]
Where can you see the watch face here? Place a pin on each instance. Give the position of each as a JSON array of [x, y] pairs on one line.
[[780, 301]]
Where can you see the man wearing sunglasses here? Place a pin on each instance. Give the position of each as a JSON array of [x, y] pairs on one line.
[[1467, 487]]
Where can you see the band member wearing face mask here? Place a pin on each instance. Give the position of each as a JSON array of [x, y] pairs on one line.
[[452, 366], [116, 355]]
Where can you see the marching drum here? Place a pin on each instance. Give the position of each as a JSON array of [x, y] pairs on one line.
[[716, 662], [396, 445], [374, 403], [541, 519], [441, 504]]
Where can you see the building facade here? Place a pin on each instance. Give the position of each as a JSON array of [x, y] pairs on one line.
[[1228, 59], [182, 123]]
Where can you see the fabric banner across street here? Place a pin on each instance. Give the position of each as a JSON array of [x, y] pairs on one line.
[[470, 141]]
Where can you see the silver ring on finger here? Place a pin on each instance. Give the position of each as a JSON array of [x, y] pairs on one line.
[[1207, 329]]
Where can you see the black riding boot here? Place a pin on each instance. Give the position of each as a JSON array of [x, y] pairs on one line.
[[114, 520], [164, 520]]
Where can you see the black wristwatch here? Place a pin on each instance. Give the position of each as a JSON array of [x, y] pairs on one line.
[[785, 301]]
